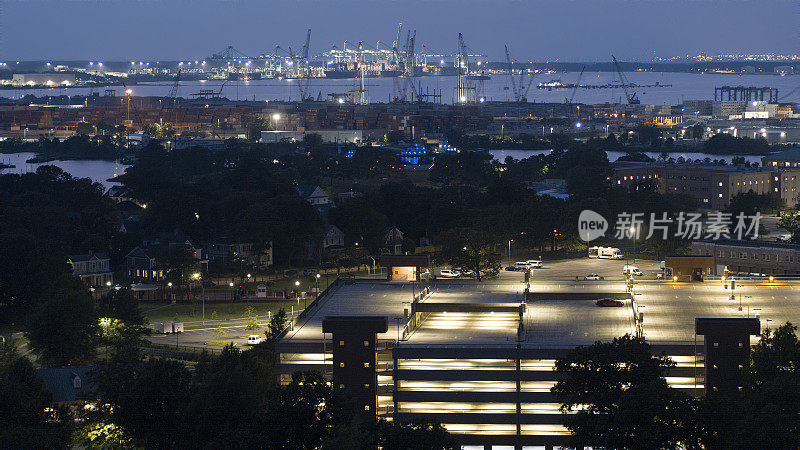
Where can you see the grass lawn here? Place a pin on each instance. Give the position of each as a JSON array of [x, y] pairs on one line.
[[190, 312]]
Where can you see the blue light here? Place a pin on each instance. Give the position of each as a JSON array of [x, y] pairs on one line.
[[578, 125]]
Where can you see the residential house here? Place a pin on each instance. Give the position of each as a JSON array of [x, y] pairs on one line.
[[223, 248], [143, 263], [393, 241], [93, 268], [314, 195], [119, 194], [332, 238], [130, 225], [69, 385]]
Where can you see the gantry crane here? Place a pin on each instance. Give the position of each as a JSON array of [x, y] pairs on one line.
[[631, 97], [522, 88]]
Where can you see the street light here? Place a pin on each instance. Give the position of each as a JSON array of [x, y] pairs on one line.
[[198, 277], [128, 92], [276, 117]]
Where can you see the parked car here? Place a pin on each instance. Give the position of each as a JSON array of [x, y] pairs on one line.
[[609, 302], [592, 277], [784, 238], [534, 263], [449, 273], [254, 339], [512, 268], [310, 272]]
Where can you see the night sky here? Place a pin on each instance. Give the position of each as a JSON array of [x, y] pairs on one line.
[[587, 30]]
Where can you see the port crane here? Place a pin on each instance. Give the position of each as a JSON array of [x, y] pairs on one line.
[[520, 89], [405, 65], [173, 91], [577, 85], [300, 62], [631, 97], [463, 86]]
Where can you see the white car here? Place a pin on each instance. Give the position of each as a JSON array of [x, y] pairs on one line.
[[784, 238], [449, 273], [254, 339], [534, 263], [592, 277]]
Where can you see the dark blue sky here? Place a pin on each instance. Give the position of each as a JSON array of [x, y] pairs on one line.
[[534, 29]]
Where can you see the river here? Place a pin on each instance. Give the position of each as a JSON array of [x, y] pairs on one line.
[[98, 171], [684, 86]]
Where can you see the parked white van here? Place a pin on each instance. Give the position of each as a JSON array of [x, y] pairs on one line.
[[254, 339], [449, 273], [534, 263], [631, 270]]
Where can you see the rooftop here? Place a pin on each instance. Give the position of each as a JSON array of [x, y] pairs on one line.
[[549, 322], [792, 154], [563, 315], [751, 243]]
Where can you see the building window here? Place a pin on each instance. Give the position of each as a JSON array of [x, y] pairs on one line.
[[366, 385], [741, 367], [341, 364], [366, 407], [341, 386], [366, 343], [714, 366], [341, 343], [366, 364], [741, 344], [716, 344]]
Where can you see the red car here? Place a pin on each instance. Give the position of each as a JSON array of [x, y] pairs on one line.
[[609, 302]]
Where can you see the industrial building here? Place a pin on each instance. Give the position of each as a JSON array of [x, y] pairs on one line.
[[751, 257], [43, 79], [479, 357], [712, 186], [334, 136]]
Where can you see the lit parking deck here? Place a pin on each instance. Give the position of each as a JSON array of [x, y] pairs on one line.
[[359, 299], [670, 309]]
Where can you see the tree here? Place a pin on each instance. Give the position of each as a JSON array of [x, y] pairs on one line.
[[258, 125], [618, 397], [276, 324], [252, 323], [149, 399], [790, 221], [63, 329], [471, 249], [84, 128], [28, 418], [414, 435], [749, 203], [771, 392]]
